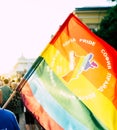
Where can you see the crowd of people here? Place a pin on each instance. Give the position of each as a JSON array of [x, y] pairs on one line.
[[16, 106]]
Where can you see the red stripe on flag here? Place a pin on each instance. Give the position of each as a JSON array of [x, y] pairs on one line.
[[37, 110]]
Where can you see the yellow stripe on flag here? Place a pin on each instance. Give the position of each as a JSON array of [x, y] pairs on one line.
[[100, 105]]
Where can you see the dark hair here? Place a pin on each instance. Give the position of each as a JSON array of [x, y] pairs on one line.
[[6, 81]]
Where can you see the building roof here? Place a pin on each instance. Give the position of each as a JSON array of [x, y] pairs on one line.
[[92, 8]]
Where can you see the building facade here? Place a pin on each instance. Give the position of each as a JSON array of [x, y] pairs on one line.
[[23, 64], [91, 16]]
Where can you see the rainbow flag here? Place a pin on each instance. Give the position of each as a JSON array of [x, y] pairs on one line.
[[72, 84]]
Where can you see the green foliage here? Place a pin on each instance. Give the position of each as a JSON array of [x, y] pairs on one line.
[[108, 27], [112, 0]]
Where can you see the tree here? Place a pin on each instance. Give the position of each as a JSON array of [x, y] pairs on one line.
[[108, 27], [112, 0]]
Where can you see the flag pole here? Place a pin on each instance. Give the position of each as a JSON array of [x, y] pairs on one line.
[[9, 99]]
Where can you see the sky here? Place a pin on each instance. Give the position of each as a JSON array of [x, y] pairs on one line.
[[26, 26]]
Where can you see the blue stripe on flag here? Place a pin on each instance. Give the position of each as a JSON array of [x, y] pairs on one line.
[[63, 118]]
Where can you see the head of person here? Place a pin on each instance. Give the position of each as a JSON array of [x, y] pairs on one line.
[[13, 85], [6, 81]]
